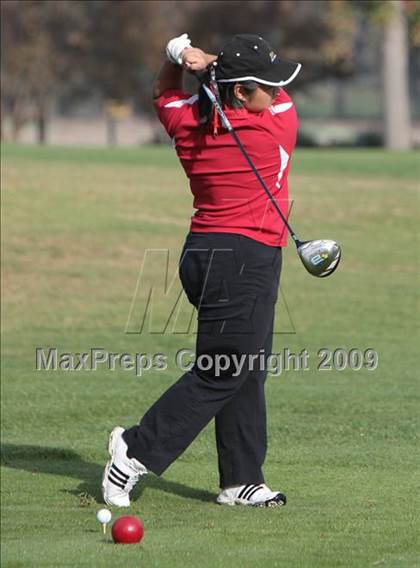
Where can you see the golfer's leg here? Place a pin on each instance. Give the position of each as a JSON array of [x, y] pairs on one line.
[[233, 328], [241, 429], [172, 423]]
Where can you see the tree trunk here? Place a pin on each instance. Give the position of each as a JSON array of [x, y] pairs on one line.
[[396, 80], [111, 130], [41, 122], [340, 89], [18, 117], [2, 118]]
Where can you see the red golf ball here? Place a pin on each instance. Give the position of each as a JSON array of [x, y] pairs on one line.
[[127, 530]]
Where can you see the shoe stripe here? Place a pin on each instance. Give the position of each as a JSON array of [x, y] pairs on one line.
[[112, 475], [117, 470], [249, 491], [253, 491], [118, 476], [244, 490], [117, 483]]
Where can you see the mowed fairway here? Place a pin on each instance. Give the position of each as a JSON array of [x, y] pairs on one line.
[[343, 445]]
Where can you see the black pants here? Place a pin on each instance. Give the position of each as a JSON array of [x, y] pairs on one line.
[[232, 281]]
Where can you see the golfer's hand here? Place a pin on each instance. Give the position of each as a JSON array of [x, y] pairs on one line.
[[194, 59], [175, 47]]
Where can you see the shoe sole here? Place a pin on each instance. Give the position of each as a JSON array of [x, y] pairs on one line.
[[278, 501], [111, 449]]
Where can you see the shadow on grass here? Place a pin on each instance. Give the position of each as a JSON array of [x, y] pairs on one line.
[[60, 461]]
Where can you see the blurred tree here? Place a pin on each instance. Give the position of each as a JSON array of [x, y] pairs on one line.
[[125, 47], [42, 43], [400, 22], [112, 47], [397, 128]]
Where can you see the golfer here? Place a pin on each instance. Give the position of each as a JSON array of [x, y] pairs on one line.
[[229, 267]]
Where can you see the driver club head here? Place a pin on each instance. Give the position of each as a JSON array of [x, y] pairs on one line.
[[320, 257]]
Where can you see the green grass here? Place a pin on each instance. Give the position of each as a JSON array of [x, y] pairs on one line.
[[343, 445]]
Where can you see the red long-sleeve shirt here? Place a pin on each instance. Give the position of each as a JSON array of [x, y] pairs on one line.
[[227, 194]]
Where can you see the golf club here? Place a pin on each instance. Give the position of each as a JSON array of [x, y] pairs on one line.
[[319, 257]]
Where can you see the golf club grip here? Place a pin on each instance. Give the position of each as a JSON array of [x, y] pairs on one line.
[[229, 127]]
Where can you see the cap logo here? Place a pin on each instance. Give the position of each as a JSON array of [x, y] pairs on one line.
[[272, 56]]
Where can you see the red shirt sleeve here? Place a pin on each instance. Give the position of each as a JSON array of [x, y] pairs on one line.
[[284, 117], [173, 107], [282, 102]]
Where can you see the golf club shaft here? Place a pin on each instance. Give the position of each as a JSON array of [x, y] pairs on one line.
[[235, 136]]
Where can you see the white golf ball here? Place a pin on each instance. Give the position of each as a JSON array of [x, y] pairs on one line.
[[103, 516]]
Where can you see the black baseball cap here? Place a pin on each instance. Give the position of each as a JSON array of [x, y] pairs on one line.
[[248, 57]]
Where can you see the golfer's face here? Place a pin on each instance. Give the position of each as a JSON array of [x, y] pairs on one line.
[[261, 98]]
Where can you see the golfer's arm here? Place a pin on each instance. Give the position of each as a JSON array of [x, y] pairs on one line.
[[169, 77]]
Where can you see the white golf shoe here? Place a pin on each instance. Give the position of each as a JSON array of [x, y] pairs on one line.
[[121, 472], [255, 495]]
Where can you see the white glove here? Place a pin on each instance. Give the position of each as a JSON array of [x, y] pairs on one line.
[[176, 46]]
